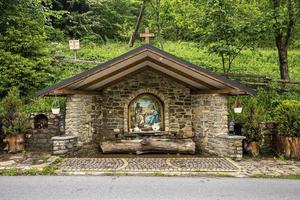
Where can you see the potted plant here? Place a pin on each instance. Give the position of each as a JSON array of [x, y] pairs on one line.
[[252, 117], [14, 121], [288, 119], [55, 107]]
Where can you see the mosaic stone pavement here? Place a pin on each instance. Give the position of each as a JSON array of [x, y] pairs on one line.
[[148, 165]]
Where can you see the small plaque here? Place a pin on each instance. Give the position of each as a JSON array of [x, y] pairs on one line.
[[74, 44]]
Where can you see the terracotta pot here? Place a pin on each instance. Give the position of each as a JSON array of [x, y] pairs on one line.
[[14, 143], [251, 147], [289, 146]]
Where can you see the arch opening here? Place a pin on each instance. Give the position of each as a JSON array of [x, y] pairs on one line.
[[40, 121]]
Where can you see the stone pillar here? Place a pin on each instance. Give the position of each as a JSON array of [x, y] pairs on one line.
[[83, 117], [209, 119], [210, 125]]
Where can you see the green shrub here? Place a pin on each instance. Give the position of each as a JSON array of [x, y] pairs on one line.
[[288, 117], [12, 115], [44, 104], [252, 115]]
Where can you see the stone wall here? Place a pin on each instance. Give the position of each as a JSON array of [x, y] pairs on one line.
[[209, 119], [86, 115], [64, 145], [176, 99], [83, 117], [202, 117], [210, 126], [41, 138], [230, 146]]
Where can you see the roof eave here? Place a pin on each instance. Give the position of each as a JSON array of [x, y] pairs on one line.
[[231, 83]]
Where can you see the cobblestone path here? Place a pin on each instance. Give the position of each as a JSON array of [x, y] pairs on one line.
[[148, 165]]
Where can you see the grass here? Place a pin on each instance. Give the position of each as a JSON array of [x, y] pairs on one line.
[[290, 176], [259, 61], [48, 170]]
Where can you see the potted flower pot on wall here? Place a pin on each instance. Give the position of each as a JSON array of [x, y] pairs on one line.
[[14, 121]]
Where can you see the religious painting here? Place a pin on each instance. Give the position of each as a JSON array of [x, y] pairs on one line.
[[145, 113]]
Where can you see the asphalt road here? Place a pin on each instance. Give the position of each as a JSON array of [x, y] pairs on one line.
[[139, 188]]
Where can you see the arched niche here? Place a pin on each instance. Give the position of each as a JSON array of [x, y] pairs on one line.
[[40, 121], [145, 112]]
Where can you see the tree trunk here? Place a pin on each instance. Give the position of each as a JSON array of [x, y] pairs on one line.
[[137, 26], [283, 35], [159, 24], [283, 58], [138, 146]]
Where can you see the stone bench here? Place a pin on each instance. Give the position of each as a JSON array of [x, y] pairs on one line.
[[63, 145]]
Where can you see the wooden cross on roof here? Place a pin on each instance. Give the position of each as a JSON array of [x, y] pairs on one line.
[[147, 35]]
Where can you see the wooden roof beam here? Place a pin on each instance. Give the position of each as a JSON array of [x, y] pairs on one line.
[[217, 91], [63, 92]]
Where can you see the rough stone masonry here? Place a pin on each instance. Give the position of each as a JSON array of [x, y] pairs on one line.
[[202, 117]]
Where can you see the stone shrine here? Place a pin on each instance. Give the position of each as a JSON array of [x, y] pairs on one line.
[[150, 98]]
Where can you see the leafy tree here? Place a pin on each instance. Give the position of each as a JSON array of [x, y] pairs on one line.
[[24, 73], [72, 16], [111, 19], [285, 15], [230, 27], [22, 30], [174, 19], [22, 42], [97, 19]]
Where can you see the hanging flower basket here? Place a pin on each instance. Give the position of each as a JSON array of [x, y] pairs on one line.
[[238, 110], [55, 111], [55, 107], [238, 106]]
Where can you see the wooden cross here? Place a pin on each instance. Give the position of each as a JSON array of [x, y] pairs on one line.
[[147, 35]]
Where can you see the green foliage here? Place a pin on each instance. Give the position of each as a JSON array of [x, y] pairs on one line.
[[25, 73], [44, 104], [13, 117], [231, 27], [287, 115], [22, 32], [283, 15], [46, 171], [179, 20], [30, 29], [23, 63], [260, 61], [252, 115], [96, 20]]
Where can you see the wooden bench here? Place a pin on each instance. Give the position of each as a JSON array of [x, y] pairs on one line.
[[149, 145]]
